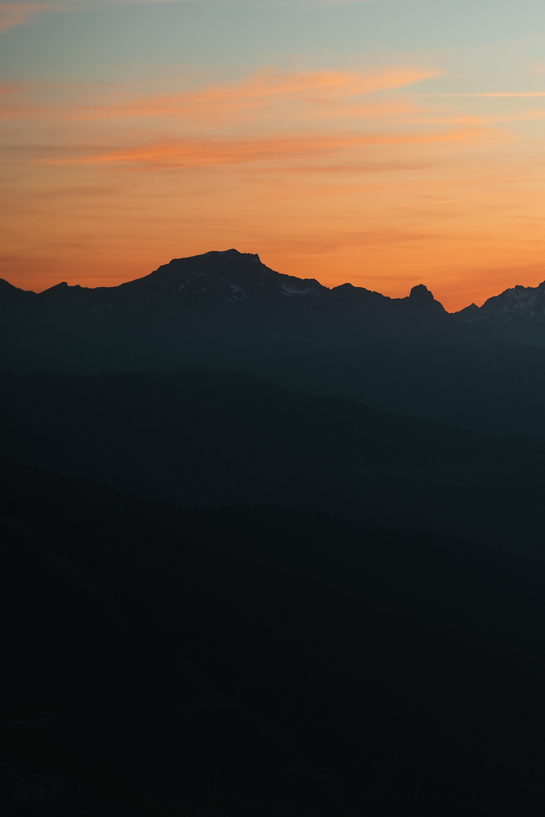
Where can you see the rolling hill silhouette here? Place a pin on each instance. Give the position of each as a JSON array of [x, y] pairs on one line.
[[206, 439], [478, 591]]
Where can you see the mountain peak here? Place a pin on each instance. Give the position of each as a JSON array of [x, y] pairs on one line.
[[233, 253], [421, 294]]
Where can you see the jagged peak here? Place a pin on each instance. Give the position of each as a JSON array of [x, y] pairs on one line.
[[6, 284], [62, 285], [421, 293], [10, 291]]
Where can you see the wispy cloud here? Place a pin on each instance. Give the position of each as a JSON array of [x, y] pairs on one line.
[[16, 14], [192, 153], [310, 92], [269, 87], [489, 95]]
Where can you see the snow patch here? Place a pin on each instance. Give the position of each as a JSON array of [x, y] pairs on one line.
[[292, 291], [236, 290]]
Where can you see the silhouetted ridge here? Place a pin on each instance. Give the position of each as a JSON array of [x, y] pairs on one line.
[[10, 295], [515, 316], [468, 313], [480, 368], [6, 287]]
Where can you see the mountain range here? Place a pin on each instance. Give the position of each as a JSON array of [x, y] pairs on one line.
[[270, 548], [242, 282], [479, 368]]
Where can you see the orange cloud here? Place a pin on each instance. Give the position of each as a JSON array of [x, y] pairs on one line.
[[333, 175], [263, 90], [16, 14], [210, 152], [269, 83]]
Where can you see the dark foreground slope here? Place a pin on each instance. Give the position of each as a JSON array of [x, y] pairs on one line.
[[477, 591], [207, 439], [227, 310], [144, 674]]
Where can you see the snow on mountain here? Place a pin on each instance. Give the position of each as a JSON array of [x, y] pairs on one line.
[[228, 281], [519, 302]]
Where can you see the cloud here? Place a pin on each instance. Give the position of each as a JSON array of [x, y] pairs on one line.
[[311, 93], [16, 14], [214, 152], [265, 89], [490, 95]]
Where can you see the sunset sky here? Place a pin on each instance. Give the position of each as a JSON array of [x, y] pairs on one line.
[[387, 143]]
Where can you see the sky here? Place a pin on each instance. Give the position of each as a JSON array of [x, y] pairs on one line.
[[387, 143]]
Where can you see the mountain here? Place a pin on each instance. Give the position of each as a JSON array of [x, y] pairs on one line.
[[516, 316], [206, 439], [226, 310], [393, 664], [221, 309], [152, 678], [237, 282]]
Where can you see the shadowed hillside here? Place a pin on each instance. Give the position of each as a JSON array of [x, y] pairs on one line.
[[143, 674], [478, 591], [206, 439]]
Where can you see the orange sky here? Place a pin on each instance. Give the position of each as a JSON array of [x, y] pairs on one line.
[[386, 175]]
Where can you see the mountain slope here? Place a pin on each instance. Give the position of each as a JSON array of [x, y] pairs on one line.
[[206, 439], [148, 674], [478, 591]]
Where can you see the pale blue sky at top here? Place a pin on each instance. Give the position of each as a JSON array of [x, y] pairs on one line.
[[498, 40]]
